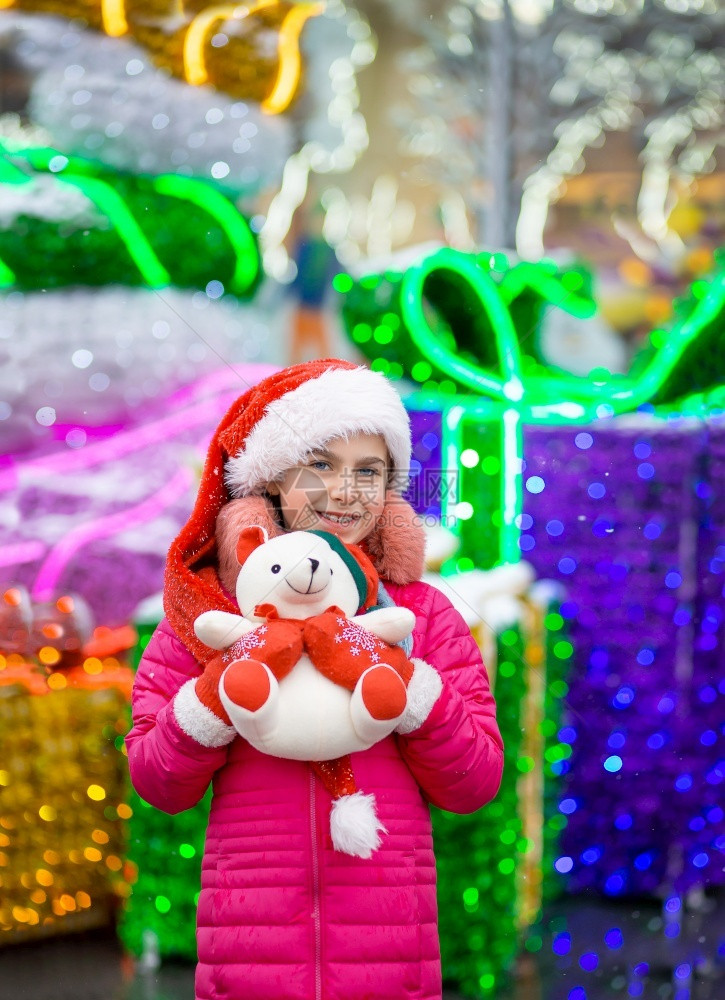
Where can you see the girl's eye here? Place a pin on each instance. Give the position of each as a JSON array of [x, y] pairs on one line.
[[320, 465], [368, 473], [276, 568]]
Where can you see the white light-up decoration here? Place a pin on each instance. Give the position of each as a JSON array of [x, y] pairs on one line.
[[102, 98]]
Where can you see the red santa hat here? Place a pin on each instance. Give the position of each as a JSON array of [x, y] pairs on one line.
[[271, 428]]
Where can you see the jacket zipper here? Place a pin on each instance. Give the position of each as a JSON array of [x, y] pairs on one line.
[[315, 889]]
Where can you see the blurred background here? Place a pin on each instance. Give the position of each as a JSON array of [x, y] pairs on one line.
[[515, 210]]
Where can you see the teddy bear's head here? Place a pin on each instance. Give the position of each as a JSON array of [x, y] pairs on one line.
[[302, 573]]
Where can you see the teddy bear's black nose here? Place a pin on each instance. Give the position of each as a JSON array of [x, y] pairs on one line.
[[315, 564]]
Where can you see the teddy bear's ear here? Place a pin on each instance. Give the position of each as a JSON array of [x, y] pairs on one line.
[[250, 539]]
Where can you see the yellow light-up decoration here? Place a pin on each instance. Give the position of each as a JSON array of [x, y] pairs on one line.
[[113, 13], [200, 29], [62, 808], [290, 64], [179, 41], [288, 50]]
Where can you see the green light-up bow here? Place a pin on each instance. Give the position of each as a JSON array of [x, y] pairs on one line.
[[159, 230], [482, 352]]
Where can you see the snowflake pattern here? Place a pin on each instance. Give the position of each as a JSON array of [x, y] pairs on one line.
[[358, 639], [243, 648]]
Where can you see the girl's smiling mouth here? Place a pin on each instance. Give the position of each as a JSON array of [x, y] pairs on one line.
[[334, 518]]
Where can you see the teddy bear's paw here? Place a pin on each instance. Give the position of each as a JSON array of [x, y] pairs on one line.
[[378, 702], [248, 690]]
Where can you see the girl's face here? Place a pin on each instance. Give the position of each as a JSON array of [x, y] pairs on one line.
[[340, 488]]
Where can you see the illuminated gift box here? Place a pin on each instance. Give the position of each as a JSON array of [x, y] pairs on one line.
[[63, 798], [624, 510]]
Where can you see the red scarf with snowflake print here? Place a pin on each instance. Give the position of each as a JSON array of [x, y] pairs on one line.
[[339, 648]]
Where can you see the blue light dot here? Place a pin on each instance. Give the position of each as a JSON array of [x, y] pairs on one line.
[[623, 821], [614, 938], [613, 764], [635, 989], [652, 530], [683, 971], [554, 528], [566, 735], [415, 467], [672, 930], [683, 783], [682, 617], [596, 490], [642, 450], [673, 579], [673, 904], [561, 944], [700, 860], [641, 969], [569, 609], [527, 543], [567, 565], [643, 861], [656, 741], [708, 694], [614, 885], [535, 484], [708, 737], [429, 440], [567, 806], [525, 521], [645, 470], [589, 961], [665, 705], [599, 659], [564, 865], [583, 440], [578, 993], [696, 824], [616, 741], [645, 657], [623, 697], [702, 490], [591, 855], [715, 815], [215, 289]]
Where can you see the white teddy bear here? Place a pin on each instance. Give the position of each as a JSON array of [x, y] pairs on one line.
[[308, 678]]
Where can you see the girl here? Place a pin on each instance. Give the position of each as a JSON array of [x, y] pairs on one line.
[[283, 916]]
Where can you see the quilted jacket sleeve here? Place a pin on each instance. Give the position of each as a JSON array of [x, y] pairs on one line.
[[456, 755], [168, 768]]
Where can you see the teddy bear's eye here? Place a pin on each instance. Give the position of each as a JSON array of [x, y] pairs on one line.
[[276, 568]]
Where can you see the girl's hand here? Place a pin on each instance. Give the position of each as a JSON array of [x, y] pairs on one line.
[[199, 711]]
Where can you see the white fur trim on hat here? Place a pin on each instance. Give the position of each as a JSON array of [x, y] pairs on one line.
[[424, 691], [338, 403], [198, 721]]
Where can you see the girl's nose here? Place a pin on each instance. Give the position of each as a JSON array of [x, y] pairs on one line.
[[339, 488]]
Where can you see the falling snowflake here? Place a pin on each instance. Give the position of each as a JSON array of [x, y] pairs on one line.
[[358, 639], [243, 648]]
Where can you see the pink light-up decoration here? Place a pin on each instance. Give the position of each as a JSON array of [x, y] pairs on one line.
[[52, 569], [23, 552], [128, 442]]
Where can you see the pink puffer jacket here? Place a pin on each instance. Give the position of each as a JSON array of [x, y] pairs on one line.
[[282, 916]]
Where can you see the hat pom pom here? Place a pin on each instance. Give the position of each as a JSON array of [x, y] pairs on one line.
[[354, 825]]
